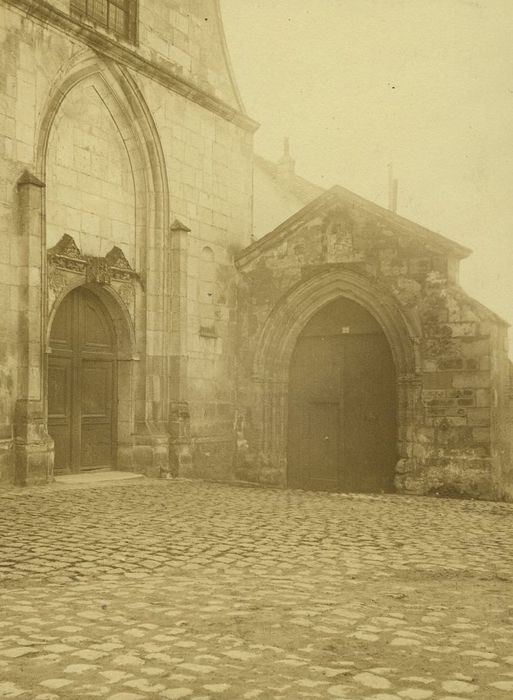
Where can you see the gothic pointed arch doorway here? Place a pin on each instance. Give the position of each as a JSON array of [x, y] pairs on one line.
[[82, 384], [342, 424]]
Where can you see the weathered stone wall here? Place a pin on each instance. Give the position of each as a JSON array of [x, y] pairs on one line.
[[124, 148], [17, 114], [209, 170], [451, 402], [185, 34], [501, 413], [89, 181], [462, 347], [190, 35]]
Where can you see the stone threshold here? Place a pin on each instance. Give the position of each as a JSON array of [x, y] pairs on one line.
[[97, 476]]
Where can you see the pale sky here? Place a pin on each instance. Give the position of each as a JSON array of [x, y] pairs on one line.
[[426, 84]]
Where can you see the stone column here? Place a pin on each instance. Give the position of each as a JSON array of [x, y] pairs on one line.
[[409, 388], [273, 438], [33, 446], [179, 418]]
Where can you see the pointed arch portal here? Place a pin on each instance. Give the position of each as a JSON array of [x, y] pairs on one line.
[[133, 346], [82, 384], [342, 403], [337, 380]]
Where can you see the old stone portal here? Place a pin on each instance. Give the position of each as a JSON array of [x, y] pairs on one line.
[[342, 432]]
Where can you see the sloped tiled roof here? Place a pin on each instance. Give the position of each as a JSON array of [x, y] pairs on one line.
[[299, 187]]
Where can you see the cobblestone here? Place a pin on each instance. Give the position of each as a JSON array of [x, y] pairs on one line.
[[178, 589]]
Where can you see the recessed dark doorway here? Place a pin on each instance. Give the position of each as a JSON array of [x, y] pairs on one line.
[[82, 384], [342, 432]]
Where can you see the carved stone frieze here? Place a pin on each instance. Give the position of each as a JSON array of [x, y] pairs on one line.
[[127, 295], [98, 270], [56, 280], [116, 258], [65, 261], [66, 255]]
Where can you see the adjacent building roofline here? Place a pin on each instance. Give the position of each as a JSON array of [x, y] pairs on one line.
[[298, 186], [338, 194]]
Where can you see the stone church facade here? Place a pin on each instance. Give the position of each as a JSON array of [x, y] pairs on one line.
[[145, 329], [126, 181]]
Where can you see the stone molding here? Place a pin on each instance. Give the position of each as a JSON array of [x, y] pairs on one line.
[[124, 55]]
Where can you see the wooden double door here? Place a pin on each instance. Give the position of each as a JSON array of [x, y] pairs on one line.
[[342, 433], [82, 384]]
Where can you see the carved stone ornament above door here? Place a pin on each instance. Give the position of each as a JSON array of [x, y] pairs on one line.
[[338, 241], [66, 262]]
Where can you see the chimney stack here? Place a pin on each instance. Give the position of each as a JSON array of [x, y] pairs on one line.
[[393, 189], [286, 165]]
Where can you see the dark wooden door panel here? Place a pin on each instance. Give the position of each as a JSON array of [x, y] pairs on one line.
[[314, 414], [96, 413], [59, 389], [315, 462], [96, 446], [315, 369], [81, 382], [96, 395], [342, 404], [322, 455], [61, 436], [61, 337], [369, 443], [95, 332], [59, 410]]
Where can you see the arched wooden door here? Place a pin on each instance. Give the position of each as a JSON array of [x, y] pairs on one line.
[[82, 384], [342, 404]]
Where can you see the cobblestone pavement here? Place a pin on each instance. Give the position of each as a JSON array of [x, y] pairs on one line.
[[178, 589]]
